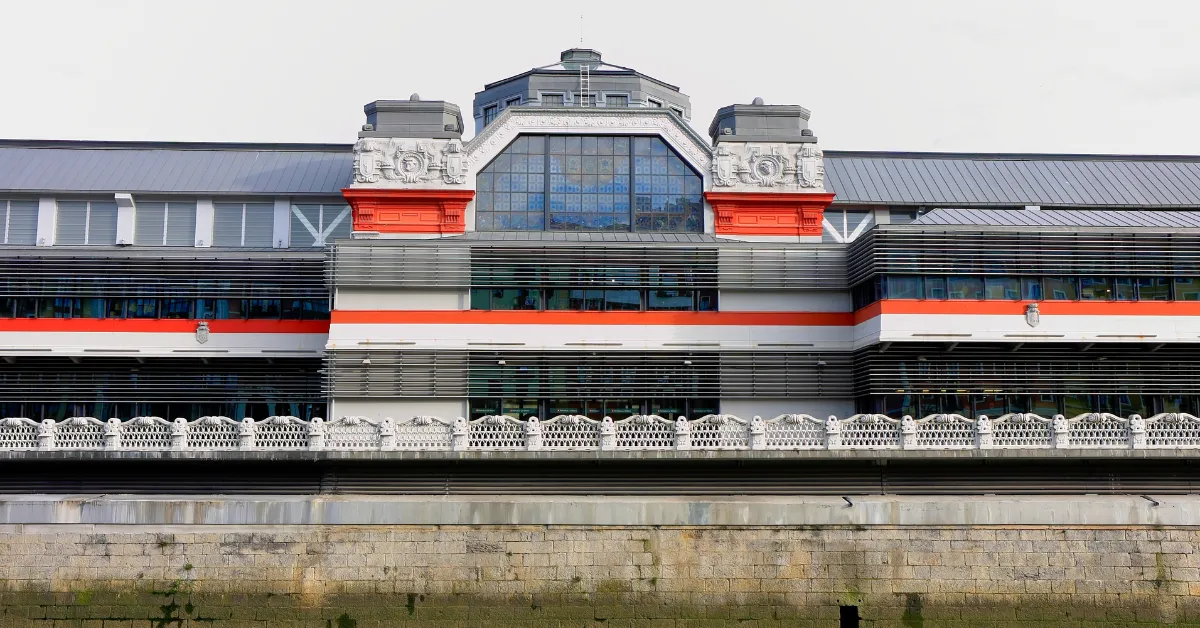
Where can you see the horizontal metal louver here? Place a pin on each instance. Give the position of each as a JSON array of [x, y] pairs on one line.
[[181, 224], [38, 379], [979, 368], [227, 224], [549, 374], [22, 222], [150, 223], [102, 223], [63, 272], [1046, 253], [462, 265], [260, 225], [71, 222]]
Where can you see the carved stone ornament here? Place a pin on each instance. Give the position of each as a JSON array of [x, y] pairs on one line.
[[1033, 315], [757, 165], [202, 332], [404, 162]]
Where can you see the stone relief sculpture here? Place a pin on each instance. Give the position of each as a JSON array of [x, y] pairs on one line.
[[409, 162], [768, 166]]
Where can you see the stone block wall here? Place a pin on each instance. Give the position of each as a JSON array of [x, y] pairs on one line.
[[360, 576]]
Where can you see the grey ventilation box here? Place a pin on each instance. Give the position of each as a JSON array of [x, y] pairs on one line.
[[436, 119]]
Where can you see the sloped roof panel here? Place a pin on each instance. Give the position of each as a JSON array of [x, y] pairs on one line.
[[989, 180], [88, 167]]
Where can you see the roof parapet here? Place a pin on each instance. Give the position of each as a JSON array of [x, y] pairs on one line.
[[435, 119], [759, 122]]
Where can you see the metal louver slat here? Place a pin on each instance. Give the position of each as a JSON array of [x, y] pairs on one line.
[[552, 374], [102, 223], [22, 222], [71, 222], [260, 225], [181, 224], [227, 224], [151, 220]]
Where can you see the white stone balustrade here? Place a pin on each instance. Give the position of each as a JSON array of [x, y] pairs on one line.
[[579, 433]]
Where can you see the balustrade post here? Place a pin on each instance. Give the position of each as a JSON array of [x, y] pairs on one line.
[[179, 435], [983, 432], [1062, 428], [316, 434], [1137, 431], [533, 434], [683, 434], [46, 434], [758, 433], [387, 435], [246, 434], [608, 434], [112, 434], [833, 433], [458, 439], [908, 432]]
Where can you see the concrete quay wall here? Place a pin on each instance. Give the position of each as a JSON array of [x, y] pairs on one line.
[[749, 562]]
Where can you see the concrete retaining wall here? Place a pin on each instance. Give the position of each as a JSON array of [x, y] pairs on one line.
[[899, 562]]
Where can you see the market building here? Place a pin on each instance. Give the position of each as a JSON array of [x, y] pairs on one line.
[[589, 253]]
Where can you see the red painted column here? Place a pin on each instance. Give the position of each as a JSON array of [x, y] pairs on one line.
[[768, 213], [409, 211]]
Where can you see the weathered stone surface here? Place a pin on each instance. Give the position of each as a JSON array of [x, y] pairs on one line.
[[671, 576]]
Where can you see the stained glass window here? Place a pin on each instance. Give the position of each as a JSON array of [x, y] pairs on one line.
[[588, 183]]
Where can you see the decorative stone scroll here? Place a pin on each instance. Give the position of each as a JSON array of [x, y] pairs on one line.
[[578, 433], [399, 162]]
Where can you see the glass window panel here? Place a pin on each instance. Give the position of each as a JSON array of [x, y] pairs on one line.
[[116, 308], [58, 308], [965, 287], [905, 287], [593, 300], [1061, 288], [1124, 289], [1095, 288], [1187, 288], [1031, 288], [262, 308], [673, 300], [706, 300], [1003, 288], [91, 308], [1154, 288], [176, 308], [515, 299], [141, 308], [935, 287]]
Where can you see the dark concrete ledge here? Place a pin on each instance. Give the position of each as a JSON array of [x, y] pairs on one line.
[[883, 510]]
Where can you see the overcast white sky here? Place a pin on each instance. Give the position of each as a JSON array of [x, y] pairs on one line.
[[947, 75]]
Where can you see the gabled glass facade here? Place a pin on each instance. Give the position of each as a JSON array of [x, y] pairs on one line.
[[589, 183]]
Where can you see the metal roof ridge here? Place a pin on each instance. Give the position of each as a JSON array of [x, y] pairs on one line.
[[868, 154], [173, 145]]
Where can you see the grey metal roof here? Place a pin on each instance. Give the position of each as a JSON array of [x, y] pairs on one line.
[[583, 236], [1061, 218], [170, 168], [965, 180]]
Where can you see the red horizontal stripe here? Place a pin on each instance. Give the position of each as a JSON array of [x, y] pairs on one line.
[[1017, 308], [170, 326], [522, 317]]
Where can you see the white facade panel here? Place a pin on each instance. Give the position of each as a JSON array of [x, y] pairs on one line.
[[401, 299], [784, 301], [158, 344]]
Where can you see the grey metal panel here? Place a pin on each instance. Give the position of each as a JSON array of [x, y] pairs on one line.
[[132, 168], [1013, 180], [22, 222]]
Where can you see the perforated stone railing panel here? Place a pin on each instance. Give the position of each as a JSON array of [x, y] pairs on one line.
[[871, 431], [945, 431], [1173, 430], [352, 433], [146, 433], [720, 431], [79, 433], [571, 432], [213, 432], [281, 432], [424, 433], [1098, 430], [578, 433], [1022, 431], [795, 431], [496, 432], [18, 433], [645, 431]]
